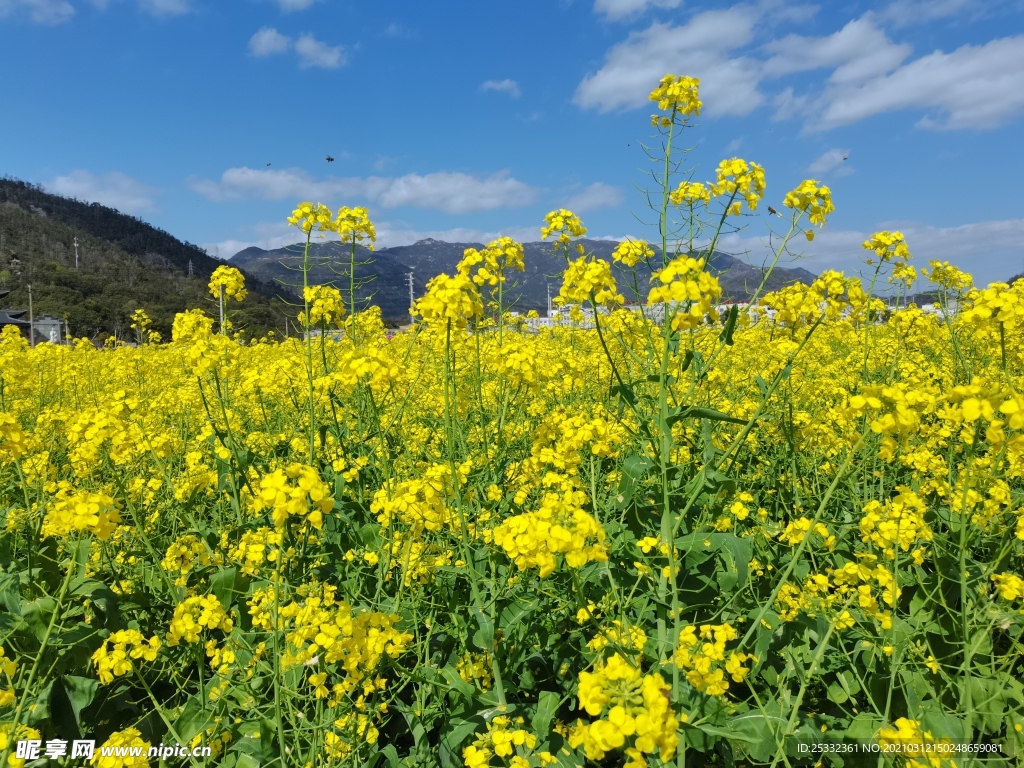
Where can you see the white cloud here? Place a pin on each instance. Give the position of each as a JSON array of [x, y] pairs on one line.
[[39, 11], [855, 53], [397, 31], [268, 41], [456, 192], [597, 195], [295, 5], [165, 7], [449, 192], [732, 147], [114, 189], [313, 53], [511, 87], [832, 163], [620, 9], [974, 87], [699, 48], [903, 13]]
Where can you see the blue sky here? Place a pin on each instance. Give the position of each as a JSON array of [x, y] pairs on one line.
[[464, 119]]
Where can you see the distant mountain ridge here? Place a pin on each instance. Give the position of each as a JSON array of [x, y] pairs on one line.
[[387, 270]]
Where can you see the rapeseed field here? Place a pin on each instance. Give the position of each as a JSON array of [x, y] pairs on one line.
[[783, 535]]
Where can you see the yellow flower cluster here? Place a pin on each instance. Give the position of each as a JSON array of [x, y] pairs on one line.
[[141, 323], [454, 300], [887, 246], [322, 630], [81, 511], [899, 522], [476, 668], [256, 548], [422, 503], [353, 225], [310, 216], [687, 284], [120, 745], [8, 667], [1009, 585], [678, 95], [295, 491], [703, 657], [632, 252], [114, 657], [559, 527], [998, 303], [195, 615], [691, 192], [325, 305], [11, 734], [13, 440], [589, 280], [231, 280], [738, 178], [634, 711], [504, 740], [917, 746], [799, 305], [811, 198], [946, 275], [798, 529], [191, 324], [565, 225], [619, 637], [183, 555], [499, 255]]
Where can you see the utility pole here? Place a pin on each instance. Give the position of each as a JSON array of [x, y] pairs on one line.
[[412, 295], [31, 320], [76, 251], [549, 299], [191, 272]]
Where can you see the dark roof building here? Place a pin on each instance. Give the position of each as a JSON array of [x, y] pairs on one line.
[[13, 317]]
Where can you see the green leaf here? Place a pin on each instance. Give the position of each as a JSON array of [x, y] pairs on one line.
[[194, 720], [697, 412], [37, 614], [456, 683], [68, 697], [864, 726], [754, 732], [222, 584], [483, 638], [456, 731], [516, 612], [547, 708], [730, 324], [633, 468], [836, 694]]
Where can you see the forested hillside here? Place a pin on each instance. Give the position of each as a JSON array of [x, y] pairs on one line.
[[123, 264]]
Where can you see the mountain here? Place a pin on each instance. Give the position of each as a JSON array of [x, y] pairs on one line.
[[385, 271], [123, 264]]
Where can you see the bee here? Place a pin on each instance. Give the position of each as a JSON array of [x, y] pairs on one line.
[[330, 159], [773, 212]]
